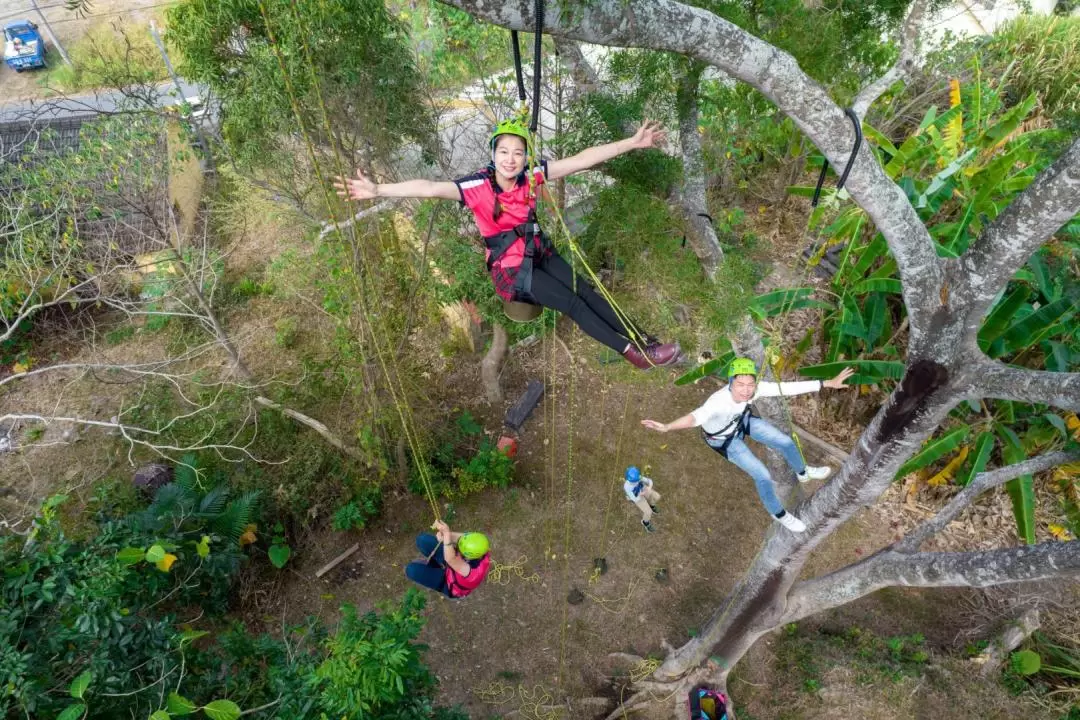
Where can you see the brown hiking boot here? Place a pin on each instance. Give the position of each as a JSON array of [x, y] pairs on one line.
[[654, 355]]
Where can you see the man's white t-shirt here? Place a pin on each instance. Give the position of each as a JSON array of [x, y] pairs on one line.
[[720, 411]]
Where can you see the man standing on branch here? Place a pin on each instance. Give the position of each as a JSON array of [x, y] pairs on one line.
[[520, 258], [727, 418]]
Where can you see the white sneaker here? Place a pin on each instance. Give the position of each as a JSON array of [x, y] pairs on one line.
[[791, 522], [814, 473]]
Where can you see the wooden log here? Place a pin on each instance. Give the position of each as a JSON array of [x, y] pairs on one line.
[[337, 561], [519, 413]]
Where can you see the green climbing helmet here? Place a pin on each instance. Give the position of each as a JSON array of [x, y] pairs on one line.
[[473, 545], [742, 366], [510, 127]]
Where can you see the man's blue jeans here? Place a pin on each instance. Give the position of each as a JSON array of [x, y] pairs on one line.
[[740, 454]]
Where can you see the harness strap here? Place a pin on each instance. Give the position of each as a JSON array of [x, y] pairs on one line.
[[742, 428], [536, 245]]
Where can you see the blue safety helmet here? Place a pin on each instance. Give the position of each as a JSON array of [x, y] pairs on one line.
[[633, 474]]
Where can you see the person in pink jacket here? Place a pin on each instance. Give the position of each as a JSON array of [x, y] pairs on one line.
[[727, 418]]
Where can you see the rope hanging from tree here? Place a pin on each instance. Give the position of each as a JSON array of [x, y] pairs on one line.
[[851, 160]]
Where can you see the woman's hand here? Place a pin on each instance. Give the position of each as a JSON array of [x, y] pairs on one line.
[[648, 135], [653, 425], [358, 188], [837, 382]]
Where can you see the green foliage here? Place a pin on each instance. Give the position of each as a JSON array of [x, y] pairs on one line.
[[1025, 662], [109, 55], [465, 461], [358, 512], [348, 58], [279, 552], [452, 48], [875, 660]]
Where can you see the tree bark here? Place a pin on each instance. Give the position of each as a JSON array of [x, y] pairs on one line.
[[492, 364]]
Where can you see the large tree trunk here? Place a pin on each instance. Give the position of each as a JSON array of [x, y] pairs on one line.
[[491, 365]]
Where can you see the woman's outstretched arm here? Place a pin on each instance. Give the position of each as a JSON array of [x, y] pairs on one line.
[[362, 188], [648, 135]]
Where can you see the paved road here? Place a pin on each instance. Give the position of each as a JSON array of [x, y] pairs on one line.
[[111, 101]]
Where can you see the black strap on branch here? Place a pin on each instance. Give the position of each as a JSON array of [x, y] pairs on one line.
[[537, 49], [851, 160]]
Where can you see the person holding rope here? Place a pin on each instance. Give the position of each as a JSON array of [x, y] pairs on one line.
[[455, 564], [727, 418], [521, 259]]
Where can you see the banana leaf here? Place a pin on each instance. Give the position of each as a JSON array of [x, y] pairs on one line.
[[984, 445], [1041, 275], [886, 285], [867, 372], [1008, 122], [1022, 489], [877, 248], [711, 367], [1032, 328], [999, 317], [935, 450], [782, 301], [874, 312], [874, 135]]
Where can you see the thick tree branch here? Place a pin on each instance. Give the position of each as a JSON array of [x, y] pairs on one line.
[[1004, 382], [909, 38], [983, 481], [890, 568], [1049, 202], [581, 70], [672, 26]]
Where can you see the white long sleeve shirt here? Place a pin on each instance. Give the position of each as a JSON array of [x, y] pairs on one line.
[[633, 489], [720, 411]]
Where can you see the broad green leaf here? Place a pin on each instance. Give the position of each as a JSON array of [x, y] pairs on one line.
[[1042, 277], [1008, 122], [130, 555], [160, 715], [72, 712], [710, 367], [984, 445], [279, 555], [1021, 490], [957, 243], [887, 285], [876, 250], [179, 705], [874, 312], [1025, 662], [1000, 316], [1028, 331], [935, 450], [79, 684], [874, 135], [780, 301], [867, 372], [222, 710], [939, 180], [155, 554], [203, 546], [191, 636]]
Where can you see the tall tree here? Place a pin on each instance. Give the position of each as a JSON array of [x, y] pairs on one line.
[[946, 299]]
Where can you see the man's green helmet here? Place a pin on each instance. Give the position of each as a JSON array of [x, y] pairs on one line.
[[742, 366], [473, 545], [510, 127]]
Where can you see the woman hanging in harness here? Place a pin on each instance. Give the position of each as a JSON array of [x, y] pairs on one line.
[[727, 418], [521, 259]]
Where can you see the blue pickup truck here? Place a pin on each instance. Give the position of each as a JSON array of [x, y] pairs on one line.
[[24, 48]]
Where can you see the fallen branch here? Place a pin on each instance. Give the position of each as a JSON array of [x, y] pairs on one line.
[[337, 561]]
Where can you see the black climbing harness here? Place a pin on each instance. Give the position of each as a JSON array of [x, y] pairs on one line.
[[851, 160], [741, 429], [537, 245]]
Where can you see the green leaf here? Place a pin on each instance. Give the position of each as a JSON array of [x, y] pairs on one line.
[[1000, 316], [155, 554], [935, 450], [1008, 122], [72, 712], [1021, 490], [191, 636], [160, 715], [984, 445], [1025, 662], [179, 705], [130, 555], [782, 301], [874, 135], [1028, 331], [867, 372], [710, 367], [222, 710], [887, 285], [79, 684], [203, 546], [279, 555]]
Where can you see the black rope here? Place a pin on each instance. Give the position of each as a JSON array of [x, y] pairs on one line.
[[537, 47], [851, 160], [517, 64]]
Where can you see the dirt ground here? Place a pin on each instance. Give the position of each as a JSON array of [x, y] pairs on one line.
[[69, 27]]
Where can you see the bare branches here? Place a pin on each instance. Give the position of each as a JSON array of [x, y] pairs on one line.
[[909, 37], [983, 481], [1051, 200], [1005, 382]]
